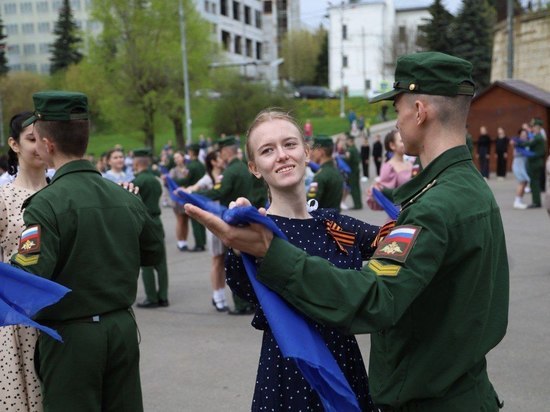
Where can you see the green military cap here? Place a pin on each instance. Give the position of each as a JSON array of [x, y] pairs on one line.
[[143, 152], [58, 105], [194, 147], [537, 121], [323, 140], [227, 141], [430, 73]]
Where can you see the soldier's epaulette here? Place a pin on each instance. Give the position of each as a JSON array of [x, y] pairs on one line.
[[415, 197]]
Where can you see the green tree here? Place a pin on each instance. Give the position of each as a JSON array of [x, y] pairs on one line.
[[65, 49], [435, 34], [472, 34], [4, 69], [321, 66], [139, 55], [300, 50]]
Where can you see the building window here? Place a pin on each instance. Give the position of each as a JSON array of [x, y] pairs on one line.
[[249, 51], [367, 84], [45, 68], [27, 28], [238, 47], [258, 50], [213, 8], [207, 6], [344, 61], [30, 67], [226, 40], [214, 28], [15, 67], [14, 50], [44, 27], [258, 19], [29, 49], [42, 7], [402, 34], [236, 11], [57, 5], [12, 29], [247, 15], [10, 8], [268, 5], [75, 4], [44, 48], [223, 7], [25, 8]]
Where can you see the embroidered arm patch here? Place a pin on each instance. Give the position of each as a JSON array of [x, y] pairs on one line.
[[398, 243], [29, 243], [383, 269]]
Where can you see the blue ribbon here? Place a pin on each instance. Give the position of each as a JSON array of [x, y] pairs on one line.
[[296, 337], [313, 166], [342, 165], [385, 203], [22, 295]]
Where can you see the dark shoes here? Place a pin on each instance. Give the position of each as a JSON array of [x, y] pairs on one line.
[[183, 248], [249, 310], [533, 206], [197, 249], [147, 304], [220, 307]]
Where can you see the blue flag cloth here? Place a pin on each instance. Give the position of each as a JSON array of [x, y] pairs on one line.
[[22, 295], [342, 165], [313, 166], [296, 337], [385, 203]]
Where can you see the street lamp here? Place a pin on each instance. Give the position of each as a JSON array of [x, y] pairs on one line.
[[188, 120]]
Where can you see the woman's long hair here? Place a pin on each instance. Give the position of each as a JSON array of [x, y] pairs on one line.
[[16, 127]]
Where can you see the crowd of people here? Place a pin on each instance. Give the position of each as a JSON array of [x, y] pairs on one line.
[[431, 287]]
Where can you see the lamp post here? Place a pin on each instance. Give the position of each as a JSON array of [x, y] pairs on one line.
[[342, 110], [188, 120]]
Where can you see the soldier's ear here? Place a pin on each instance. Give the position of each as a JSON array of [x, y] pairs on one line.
[[253, 169]]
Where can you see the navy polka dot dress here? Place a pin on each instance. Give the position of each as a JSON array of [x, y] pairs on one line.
[[279, 384]]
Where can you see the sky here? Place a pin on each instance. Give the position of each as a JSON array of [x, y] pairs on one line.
[[313, 11]]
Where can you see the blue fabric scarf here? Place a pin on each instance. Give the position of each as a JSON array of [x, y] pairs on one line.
[[22, 295], [296, 337]]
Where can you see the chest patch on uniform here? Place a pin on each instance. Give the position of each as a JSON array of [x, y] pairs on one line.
[[398, 243], [29, 243], [383, 269]]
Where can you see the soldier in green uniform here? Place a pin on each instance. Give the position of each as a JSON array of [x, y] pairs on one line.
[[535, 164], [90, 235], [196, 172], [353, 159], [435, 294], [327, 185], [235, 182], [150, 190]]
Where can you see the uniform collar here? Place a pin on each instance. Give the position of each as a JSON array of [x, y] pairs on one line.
[[73, 166], [328, 163], [426, 177]]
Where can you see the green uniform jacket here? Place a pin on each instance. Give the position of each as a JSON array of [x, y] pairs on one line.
[[353, 160], [235, 182], [150, 190], [435, 303], [327, 186], [93, 237], [537, 146], [196, 172]]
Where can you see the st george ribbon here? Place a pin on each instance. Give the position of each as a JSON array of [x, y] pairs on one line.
[[296, 337], [23, 294]]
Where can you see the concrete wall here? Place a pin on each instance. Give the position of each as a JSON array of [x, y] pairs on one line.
[[531, 49]]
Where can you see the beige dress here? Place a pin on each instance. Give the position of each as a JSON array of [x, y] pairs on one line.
[[19, 385]]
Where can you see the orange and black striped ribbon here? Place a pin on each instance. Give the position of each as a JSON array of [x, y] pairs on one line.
[[341, 237], [383, 232]]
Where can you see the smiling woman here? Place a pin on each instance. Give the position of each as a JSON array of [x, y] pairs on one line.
[[278, 153]]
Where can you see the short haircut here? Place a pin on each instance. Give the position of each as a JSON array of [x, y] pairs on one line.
[[450, 110], [70, 137]]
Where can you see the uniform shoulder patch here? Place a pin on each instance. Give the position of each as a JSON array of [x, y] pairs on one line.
[[382, 268], [29, 243], [26, 260], [398, 243]]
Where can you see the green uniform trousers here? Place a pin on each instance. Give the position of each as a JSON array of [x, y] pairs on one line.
[[199, 233], [153, 293], [534, 169], [95, 369], [355, 190]]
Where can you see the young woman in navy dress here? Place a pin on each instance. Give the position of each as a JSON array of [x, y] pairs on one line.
[[277, 152]]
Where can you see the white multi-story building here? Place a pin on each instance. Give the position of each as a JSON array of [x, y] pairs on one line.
[[365, 39], [248, 31], [29, 26]]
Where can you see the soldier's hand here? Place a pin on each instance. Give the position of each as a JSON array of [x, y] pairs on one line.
[[130, 187]]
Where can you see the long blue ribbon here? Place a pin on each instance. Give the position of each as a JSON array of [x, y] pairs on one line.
[[22, 295], [385, 203], [296, 337]]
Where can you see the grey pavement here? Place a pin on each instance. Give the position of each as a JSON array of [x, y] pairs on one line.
[[195, 359]]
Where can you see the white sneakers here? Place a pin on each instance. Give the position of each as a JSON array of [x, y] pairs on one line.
[[519, 205]]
